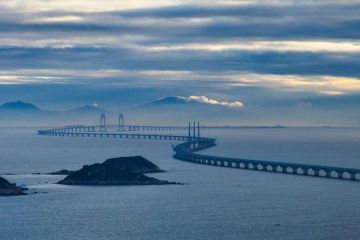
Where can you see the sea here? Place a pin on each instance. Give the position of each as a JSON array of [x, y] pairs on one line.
[[213, 203]]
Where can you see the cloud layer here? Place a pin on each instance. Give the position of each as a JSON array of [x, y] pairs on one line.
[[206, 100], [258, 49]]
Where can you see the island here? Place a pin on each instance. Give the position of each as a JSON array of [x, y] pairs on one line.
[[10, 189], [116, 171], [137, 164], [61, 172]]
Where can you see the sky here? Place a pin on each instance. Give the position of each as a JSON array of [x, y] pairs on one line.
[[296, 62]]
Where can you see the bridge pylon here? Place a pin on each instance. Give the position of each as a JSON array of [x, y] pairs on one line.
[[198, 129], [121, 126], [194, 132], [189, 132], [102, 123]]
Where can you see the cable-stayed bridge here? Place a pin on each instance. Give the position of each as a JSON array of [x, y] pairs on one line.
[[193, 142]]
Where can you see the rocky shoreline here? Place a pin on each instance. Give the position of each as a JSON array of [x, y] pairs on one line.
[[113, 171], [10, 189]]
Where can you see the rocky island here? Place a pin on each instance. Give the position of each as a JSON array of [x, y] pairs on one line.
[[116, 171], [61, 172], [10, 189], [135, 164]]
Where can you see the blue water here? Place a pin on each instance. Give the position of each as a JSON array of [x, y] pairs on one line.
[[215, 203]]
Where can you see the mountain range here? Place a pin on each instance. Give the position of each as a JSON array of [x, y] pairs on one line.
[[18, 105], [27, 114], [179, 110], [173, 110]]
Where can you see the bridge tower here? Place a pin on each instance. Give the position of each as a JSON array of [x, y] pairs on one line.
[[102, 123], [194, 131], [189, 132], [198, 130], [121, 126]]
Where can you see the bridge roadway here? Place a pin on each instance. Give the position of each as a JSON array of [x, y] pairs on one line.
[[186, 152], [120, 128], [113, 135]]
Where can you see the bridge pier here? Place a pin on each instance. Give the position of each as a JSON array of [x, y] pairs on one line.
[[352, 176]]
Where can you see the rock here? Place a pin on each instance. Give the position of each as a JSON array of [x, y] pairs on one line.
[[61, 172], [10, 189], [108, 174], [135, 164]]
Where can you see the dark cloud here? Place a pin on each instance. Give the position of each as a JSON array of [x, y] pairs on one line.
[[254, 10], [120, 40], [300, 63], [254, 21]]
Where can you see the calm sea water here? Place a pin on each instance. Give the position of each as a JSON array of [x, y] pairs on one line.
[[215, 203]]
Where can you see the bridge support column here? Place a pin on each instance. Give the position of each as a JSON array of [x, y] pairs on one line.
[[352, 176], [273, 168], [102, 123], [121, 123]]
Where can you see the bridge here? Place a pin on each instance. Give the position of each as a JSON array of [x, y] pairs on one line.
[[131, 128], [186, 152], [193, 143], [121, 127]]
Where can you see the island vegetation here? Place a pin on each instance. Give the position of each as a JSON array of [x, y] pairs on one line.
[[115, 171]]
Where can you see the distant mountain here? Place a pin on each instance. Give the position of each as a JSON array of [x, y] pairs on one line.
[[179, 110], [170, 100], [201, 101], [19, 106], [172, 110], [89, 108], [26, 114]]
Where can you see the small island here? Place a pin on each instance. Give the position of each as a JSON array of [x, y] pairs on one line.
[[61, 172], [10, 189], [116, 171], [136, 164]]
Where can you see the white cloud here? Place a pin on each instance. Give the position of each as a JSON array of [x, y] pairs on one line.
[[116, 5], [281, 46], [206, 100], [320, 84], [59, 19], [82, 5]]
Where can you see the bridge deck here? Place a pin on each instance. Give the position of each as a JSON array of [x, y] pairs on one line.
[[100, 128], [186, 151], [103, 128], [120, 135]]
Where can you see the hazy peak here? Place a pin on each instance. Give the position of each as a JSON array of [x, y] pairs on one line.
[[197, 99], [89, 108], [18, 105]]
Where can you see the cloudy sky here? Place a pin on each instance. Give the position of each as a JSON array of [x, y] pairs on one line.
[[297, 59]]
